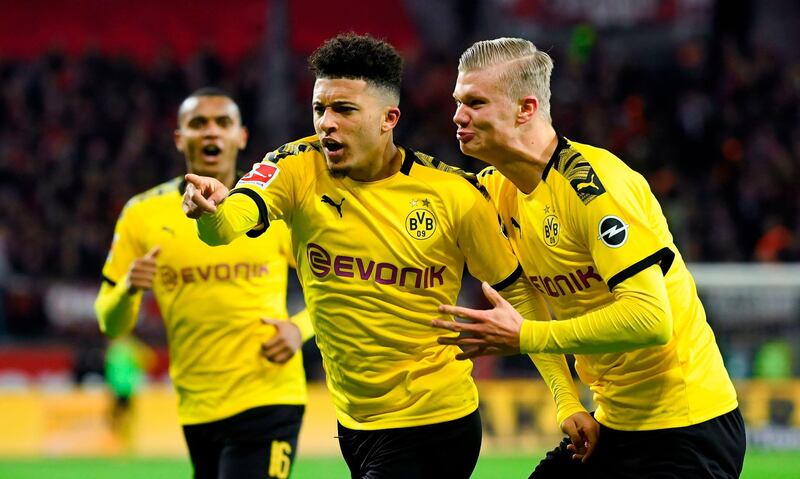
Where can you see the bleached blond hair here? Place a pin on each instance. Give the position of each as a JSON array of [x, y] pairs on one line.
[[527, 69]]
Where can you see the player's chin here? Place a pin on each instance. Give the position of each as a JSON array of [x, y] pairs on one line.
[[338, 170]]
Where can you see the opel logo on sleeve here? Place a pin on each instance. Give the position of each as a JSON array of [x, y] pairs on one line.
[[612, 231]]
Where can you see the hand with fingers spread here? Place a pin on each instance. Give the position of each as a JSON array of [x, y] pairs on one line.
[[489, 332], [584, 432], [202, 195], [142, 271], [284, 344]]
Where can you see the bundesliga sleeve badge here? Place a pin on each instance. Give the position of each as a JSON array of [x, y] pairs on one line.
[[261, 175]]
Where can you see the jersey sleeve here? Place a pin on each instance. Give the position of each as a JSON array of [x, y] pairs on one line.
[[489, 182], [267, 193], [530, 304], [116, 308], [125, 246], [619, 228], [276, 183], [487, 251], [639, 317]]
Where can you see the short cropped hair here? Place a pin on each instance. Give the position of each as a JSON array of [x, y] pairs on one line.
[[528, 68], [210, 91], [206, 92], [359, 57]]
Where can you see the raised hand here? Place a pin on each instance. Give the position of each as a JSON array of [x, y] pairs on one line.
[[202, 195], [142, 271], [489, 332], [284, 344], [584, 432]]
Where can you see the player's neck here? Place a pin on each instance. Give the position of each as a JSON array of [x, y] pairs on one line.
[[523, 161], [390, 162]]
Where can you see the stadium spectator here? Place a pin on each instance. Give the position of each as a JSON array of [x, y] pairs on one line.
[[223, 308], [591, 237]]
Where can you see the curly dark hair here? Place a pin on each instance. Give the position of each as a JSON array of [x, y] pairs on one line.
[[360, 57]]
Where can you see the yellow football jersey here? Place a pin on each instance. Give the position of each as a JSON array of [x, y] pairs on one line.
[[376, 259], [212, 301], [589, 225]]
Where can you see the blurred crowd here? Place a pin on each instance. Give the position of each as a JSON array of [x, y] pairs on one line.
[[715, 131]]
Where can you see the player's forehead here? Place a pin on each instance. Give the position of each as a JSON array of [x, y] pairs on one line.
[[208, 107], [333, 90], [478, 82]]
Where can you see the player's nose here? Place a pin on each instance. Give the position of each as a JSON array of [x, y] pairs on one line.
[[327, 122], [460, 117]]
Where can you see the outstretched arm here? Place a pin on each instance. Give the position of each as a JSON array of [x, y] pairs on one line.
[[220, 218], [639, 317]]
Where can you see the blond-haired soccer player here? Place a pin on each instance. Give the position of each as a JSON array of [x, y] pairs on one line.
[[381, 236], [591, 237], [234, 357]]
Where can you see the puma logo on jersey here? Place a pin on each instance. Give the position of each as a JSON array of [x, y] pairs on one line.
[[327, 200], [589, 185], [580, 175]]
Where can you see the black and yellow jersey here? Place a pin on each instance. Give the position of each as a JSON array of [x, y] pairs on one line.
[[590, 225], [212, 301], [376, 259]]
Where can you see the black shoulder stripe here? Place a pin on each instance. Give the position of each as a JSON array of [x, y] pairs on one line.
[[663, 257], [408, 161], [109, 280], [262, 210], [509, 280], [290, 149], [562, 145]]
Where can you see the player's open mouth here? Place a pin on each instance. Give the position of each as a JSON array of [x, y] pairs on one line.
[[333, 147], [211, 150]]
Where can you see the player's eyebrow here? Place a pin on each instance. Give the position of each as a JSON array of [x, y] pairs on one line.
[[335, 103]]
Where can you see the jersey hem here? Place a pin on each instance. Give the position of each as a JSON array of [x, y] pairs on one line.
[[189, 420], [350, 423], [667, 424]]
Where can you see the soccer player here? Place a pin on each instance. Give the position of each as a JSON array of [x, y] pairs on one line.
[[234, 356], [592, 239], [381, 236]]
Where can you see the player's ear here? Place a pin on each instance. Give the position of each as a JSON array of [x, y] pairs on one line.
[[244, 134], [528, 106], [177, 138], [390, 118]]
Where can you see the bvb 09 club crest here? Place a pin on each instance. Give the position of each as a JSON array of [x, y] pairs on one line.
[[551, 230], [421, 222]]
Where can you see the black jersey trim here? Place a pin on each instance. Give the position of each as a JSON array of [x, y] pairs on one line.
[[408, 161], [109, 280], [663, 257], [262, 210], [562, 145], [509, 280]]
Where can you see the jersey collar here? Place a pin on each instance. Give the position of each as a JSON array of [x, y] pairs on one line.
[[563, 144]]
